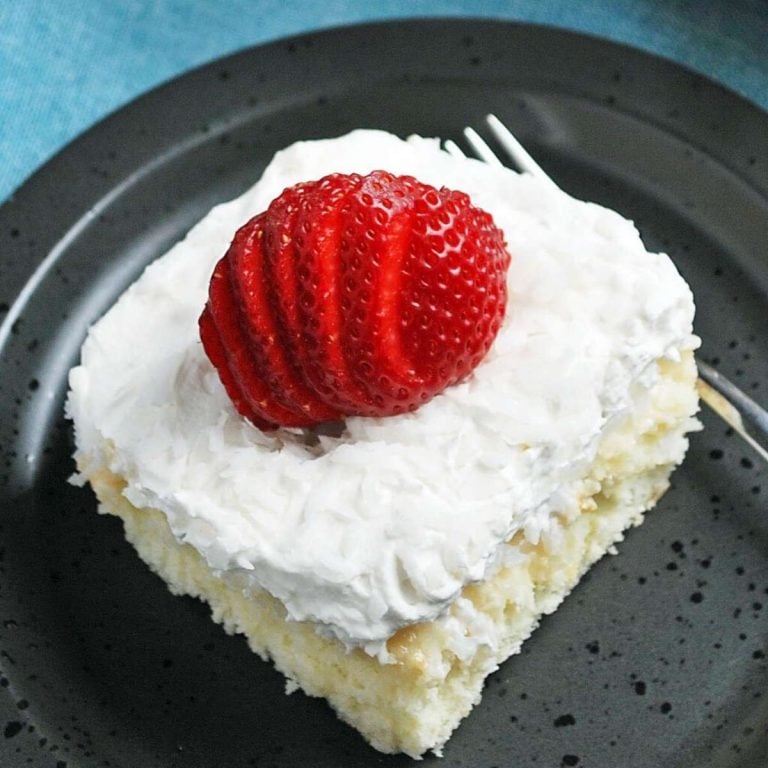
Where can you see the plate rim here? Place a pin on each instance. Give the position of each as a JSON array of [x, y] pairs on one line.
[[37, 183]]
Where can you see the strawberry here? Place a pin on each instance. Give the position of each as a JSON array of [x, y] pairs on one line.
[[438, 296], [256, 293], [214, 348], [320, 234], [241, 363], [354, 296]]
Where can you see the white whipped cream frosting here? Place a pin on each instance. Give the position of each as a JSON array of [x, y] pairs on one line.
[[383, 526]]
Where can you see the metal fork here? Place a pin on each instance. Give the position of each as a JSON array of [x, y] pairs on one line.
[[733, 406]]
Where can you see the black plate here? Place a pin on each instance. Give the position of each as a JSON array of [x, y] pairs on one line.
[[658, 659]]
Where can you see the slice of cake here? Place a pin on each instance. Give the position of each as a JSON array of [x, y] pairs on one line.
[[391, 563]]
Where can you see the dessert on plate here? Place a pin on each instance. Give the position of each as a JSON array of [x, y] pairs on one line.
[[388, 563]]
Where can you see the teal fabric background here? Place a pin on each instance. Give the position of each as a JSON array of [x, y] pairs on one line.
[[66, 63]]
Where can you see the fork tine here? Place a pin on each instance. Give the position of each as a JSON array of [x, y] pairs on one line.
[[515, 149], [481, 148], [453, 149]]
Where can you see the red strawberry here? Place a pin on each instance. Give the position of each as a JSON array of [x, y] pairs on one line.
[[255, 289], [320, 235], [241, 362], [355, 296], [214, 348], [428, 289]]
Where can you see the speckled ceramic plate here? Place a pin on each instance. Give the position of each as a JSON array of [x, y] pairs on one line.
[[657, 659]]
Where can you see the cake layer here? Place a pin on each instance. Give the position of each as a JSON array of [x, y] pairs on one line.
[[410, 508], [434, 671]]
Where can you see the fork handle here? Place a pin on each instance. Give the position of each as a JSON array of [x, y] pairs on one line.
[[735, 407]]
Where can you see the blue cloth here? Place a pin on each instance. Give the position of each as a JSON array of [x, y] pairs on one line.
[[66, 63]]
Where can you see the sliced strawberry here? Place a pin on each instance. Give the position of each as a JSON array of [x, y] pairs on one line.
[[214, 348], [240, 358], [319, 240], [354, 296], [280, 267], [427, 279], [454, 301], [378, 227], [258, 307], [427, 286]]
